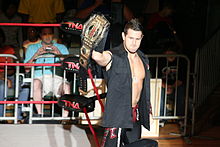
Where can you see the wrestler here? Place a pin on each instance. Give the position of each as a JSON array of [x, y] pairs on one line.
[[128, 81]]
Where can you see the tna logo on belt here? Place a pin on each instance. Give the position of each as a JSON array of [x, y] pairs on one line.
[[71, 104]]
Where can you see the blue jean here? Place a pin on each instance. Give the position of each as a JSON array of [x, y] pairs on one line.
[[23, 95]]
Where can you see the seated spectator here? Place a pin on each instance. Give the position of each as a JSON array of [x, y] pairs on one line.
[[32, 38], [172, 70], [45, 81], [23, 92], [13, 35]]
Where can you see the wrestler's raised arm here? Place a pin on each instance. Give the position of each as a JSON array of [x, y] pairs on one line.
[[103, 59]]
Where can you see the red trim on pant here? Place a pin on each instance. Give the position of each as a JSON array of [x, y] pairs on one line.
[[134, 113]]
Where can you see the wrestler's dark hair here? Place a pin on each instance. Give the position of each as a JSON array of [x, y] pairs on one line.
[[2, 35], [133, 24]]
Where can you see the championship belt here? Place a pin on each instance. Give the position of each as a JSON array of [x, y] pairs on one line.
[[94, 31]]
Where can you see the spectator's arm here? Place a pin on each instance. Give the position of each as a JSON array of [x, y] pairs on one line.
[[59, 9], [60, 50], [31, 55], [59, 17], [178, 83], [84, 13], [23, 10], [10, 71], [128, 14], [9, 82], [25, 17], [20, 37], [56, 51], [1, 76]]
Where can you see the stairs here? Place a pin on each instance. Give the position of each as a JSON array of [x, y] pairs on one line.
[[208, 115]]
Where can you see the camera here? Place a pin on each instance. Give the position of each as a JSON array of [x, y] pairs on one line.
[[48, 48]]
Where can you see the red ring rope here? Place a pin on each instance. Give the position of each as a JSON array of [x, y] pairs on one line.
[[91, 128], [95, 89], [28, 102], [31, 64], [30, 24]]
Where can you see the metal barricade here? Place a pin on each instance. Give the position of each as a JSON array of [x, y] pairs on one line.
[[97, 114], [170, 107], [30, 108], [9, 92], [50, 99], [155, 61]]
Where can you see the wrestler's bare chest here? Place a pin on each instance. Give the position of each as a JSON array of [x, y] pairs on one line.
[[138, 74]]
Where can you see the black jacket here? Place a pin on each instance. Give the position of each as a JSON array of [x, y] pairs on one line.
[[118, 107]]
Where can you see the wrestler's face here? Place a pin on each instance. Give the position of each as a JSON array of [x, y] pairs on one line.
[[47, 35], [132, 40]]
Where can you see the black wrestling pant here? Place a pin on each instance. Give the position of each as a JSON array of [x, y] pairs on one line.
[[127, 137], [118, 137]]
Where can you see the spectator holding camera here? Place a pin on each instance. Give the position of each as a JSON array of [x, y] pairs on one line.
[[45, 80]]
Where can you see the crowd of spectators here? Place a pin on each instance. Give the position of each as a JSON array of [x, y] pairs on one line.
[[28, 42], [7, 82]]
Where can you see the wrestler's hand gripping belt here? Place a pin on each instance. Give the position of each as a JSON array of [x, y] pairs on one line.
[[94, 34]]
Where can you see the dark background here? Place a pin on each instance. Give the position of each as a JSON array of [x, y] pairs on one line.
[[195, 21]]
